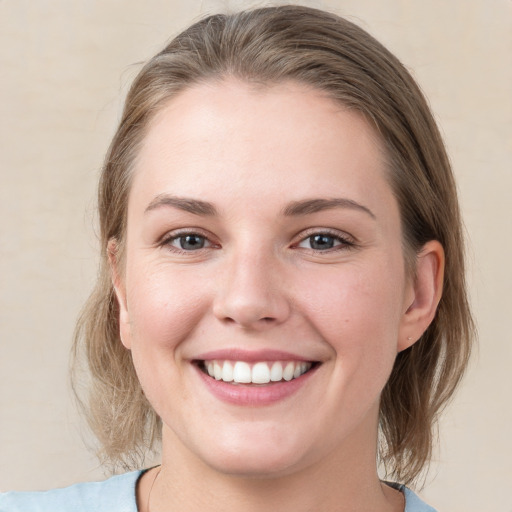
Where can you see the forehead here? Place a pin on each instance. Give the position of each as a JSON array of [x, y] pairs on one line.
[[230, 134]]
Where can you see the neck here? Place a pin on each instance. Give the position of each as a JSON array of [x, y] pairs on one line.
[[346, 480]]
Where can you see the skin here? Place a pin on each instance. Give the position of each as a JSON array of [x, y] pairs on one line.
[[259, 284]]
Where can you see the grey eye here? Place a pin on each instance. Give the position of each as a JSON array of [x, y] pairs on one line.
[[191, 242], [322, 241]]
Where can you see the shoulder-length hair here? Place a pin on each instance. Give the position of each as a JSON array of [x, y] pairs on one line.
[[331, 54]]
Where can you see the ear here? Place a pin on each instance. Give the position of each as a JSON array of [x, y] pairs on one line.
[[422, 295], [120, 291]]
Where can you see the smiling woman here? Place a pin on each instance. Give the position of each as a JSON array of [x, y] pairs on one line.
[[267, 283], [282, 282]]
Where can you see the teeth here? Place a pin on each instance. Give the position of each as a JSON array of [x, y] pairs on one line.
[[258, 373], [242, 372], [217, 370], [288, 371], [276, 372], [227, 372]]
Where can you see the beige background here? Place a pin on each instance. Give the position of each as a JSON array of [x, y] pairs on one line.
[[65, 65]]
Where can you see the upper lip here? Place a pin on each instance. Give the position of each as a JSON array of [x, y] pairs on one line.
[[250, 356]]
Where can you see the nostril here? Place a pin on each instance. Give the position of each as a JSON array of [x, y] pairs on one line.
[[251, 323], [250, 309]]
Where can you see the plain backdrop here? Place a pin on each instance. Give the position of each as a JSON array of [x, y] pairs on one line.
[[64, 69]]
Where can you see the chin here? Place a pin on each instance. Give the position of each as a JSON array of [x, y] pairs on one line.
[[255, 456], [254, 466]]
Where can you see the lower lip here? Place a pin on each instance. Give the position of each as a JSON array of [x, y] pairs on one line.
[[254, 395]]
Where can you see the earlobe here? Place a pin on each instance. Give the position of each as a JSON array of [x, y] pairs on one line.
[[425, 293], [120, 292]]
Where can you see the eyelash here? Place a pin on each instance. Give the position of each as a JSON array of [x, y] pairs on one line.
[[168, 240], [345, 242], [342, 242]]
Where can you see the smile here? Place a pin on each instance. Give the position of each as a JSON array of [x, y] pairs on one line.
[[261, 372]]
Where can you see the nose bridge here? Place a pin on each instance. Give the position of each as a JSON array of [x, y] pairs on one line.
[[250, 292]]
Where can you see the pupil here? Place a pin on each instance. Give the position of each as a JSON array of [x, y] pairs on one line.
[[321, 241], [191, 242]]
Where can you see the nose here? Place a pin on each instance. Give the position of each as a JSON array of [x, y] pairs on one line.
[[251, 293]]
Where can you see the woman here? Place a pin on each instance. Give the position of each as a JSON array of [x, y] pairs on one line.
[[282, 276]]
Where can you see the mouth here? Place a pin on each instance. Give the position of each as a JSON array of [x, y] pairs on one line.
[[255, 373]]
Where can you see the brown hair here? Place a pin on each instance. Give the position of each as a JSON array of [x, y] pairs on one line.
[[322, 50]]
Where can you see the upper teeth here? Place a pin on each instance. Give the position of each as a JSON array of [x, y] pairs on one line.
[[257, 373]]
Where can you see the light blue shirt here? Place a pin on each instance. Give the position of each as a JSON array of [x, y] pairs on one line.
[[117, 494]]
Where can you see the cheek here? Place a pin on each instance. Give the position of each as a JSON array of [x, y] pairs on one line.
[[357, 311], [163, 307], [164, 310]]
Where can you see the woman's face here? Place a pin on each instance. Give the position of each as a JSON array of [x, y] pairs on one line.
[[263, 245]]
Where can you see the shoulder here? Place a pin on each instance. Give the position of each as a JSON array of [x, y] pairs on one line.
[[413, 503], [117, 494]]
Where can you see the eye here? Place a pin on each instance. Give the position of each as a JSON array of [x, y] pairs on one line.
[[189, 242], [324, 242]]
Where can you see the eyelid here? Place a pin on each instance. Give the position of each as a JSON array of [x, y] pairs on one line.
[[347, 240], [167, 238]]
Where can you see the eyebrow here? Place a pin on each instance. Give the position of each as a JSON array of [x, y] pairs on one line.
[[295, 208], [309, 206], [194, 206]]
